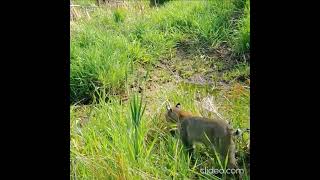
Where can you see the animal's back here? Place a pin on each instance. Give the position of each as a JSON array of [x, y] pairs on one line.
[[197, 127]]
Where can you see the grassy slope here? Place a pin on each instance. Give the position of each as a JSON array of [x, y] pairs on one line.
[[119, 51]]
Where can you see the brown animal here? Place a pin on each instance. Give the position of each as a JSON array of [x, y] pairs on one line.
[[215, 133]]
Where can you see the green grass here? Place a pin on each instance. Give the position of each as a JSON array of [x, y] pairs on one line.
[[83, 2], [136, 114], [242, 39], [112, 40], [105, 146], [119, 15], [118, 50]]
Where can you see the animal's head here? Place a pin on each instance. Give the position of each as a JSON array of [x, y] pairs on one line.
[[173, 113]]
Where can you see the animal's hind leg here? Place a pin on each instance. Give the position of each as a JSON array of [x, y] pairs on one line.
[[228, 148], [215, 144]]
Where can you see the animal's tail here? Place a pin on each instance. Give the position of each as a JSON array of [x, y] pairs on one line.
[[239, 132]]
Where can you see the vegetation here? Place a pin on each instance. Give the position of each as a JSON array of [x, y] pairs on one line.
[[182, 51]]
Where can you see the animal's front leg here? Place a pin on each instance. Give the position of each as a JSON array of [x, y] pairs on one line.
[[187, 142]]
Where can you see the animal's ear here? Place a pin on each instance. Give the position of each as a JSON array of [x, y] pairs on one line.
[[178, 105]]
